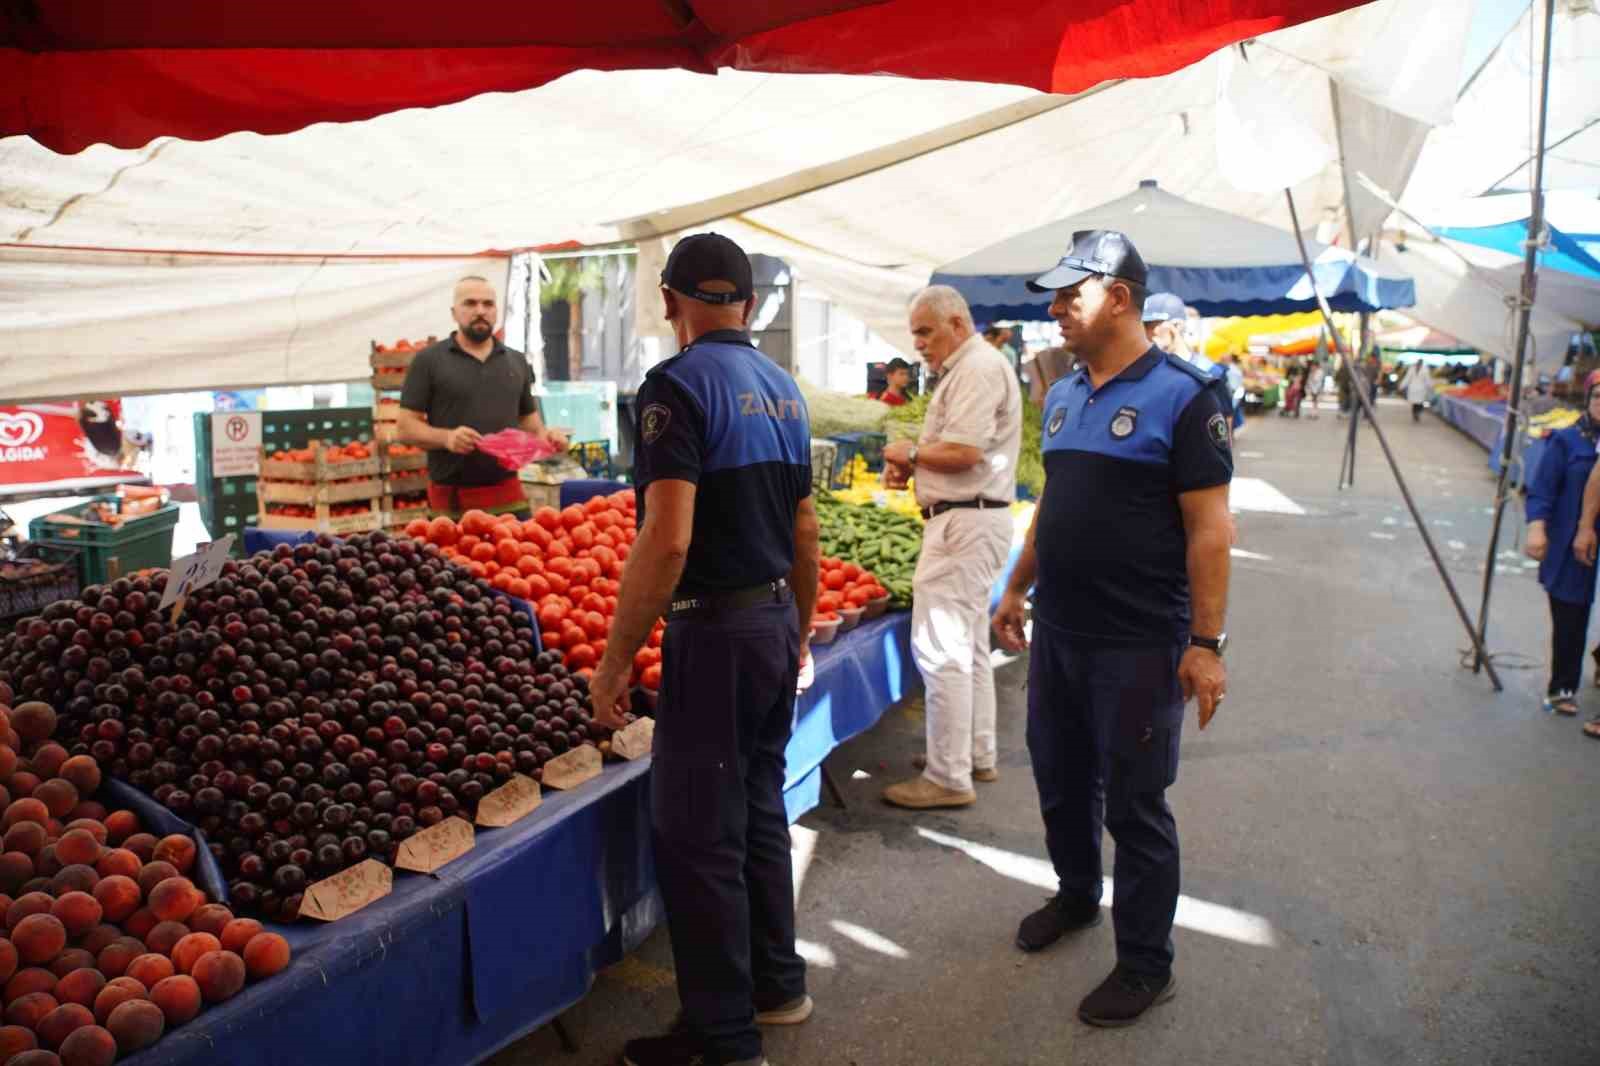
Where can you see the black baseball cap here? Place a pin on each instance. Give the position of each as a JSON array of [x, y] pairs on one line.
[[896, 363], [1094, 251], [704, 257]]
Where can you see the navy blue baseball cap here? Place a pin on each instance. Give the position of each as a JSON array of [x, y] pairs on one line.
[[1164, 307], [706, 257], [1094, 251]]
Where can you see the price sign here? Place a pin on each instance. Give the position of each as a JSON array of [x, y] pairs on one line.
[[196, 571]]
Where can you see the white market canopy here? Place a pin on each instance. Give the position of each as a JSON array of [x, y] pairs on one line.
[[256, 259]]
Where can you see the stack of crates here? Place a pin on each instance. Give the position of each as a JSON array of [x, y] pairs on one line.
[[231, 504], [405, 483], [322, 494], [39, 575]]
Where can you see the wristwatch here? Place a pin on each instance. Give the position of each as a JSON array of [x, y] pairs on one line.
[[1216, 645], [912, 458]]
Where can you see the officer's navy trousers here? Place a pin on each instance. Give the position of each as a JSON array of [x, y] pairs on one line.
[[1103, 730], [721, 833]]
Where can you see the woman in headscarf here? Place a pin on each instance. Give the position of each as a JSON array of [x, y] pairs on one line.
[[1555, 501]]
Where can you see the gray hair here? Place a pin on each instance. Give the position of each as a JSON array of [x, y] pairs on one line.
[[944, 301]]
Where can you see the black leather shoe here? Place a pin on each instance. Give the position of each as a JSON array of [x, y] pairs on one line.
[[1124, 996], [1054, 920], [677, 1048]]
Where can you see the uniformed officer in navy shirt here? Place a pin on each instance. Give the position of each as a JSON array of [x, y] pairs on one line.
[[1128, 558], [727, 550]]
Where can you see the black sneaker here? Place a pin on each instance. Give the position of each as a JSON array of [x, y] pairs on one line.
[[677, 1048], [1054, 920], [1123, 996]]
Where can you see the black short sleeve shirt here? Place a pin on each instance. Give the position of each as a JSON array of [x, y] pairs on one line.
[[1111, 545], [723, 416], [452, 388]]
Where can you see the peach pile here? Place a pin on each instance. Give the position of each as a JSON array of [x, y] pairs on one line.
[[107, 942]]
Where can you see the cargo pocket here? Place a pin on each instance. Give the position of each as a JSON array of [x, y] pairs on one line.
[[1148, 727], [695, 804]]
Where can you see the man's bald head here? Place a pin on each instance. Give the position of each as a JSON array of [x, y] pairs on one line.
[[474, 308]]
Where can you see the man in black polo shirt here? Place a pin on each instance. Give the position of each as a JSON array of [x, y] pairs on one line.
[[463, 387], [1130, 550], [727, 549]]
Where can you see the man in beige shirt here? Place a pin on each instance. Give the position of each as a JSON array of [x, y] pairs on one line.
[[965, 465]]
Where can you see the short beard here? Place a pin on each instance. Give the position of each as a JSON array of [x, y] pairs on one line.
[[478, 334]]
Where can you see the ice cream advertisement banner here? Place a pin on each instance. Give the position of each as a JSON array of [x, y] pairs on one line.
[[50, 447]]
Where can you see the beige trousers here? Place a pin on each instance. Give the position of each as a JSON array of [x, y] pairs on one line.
[[963, 552]]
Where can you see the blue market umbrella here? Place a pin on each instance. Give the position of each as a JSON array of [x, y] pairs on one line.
[[1220, 264]]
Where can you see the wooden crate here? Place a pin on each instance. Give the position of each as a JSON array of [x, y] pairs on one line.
[[541, 494], [326, 522], [394, 518], [320, 469], [388, 380], [313, 492], [385, 412], [396, 463], [405, 482]]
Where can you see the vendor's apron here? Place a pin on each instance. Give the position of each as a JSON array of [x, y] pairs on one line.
[[452, 501]]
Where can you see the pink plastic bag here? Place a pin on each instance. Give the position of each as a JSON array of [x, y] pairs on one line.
[[514, 449]]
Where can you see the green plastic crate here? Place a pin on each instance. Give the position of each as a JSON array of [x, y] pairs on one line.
[[109, 552], [228, 504]]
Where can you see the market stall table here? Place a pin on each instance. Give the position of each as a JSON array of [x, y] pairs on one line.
[[1480, 421], [453, 966]]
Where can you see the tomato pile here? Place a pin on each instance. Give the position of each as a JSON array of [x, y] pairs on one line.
[[335, 510], [333, 453], [418, 502], [567, 563], [844, 586]]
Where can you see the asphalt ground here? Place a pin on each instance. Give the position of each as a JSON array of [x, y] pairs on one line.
[[1384, 860]]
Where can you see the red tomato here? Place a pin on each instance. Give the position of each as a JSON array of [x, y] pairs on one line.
[[595, 624], [581, 656], [833, 579], [507, 551], [593, 602], [501, 581], [417, 528], [851, 571], [482, 553], [556, 582], [442, 531], [583, 536], [518, 588], [572, 517], [538, 587], [651, 678], [589, 567], [548, 517], [550, 640], [599, 646], [551, 615], [654, 639], [595, 504], [477, 522], [641, 659], [858, 597], [468, 542], [528, 565]]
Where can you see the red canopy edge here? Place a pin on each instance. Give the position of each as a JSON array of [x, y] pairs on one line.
[[77, 76]]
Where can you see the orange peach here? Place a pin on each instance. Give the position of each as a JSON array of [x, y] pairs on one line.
[[152, 874], [174, 899], [140, 922], [118, 862], [220, 975], [141, 844], [95, 940], [8, 962], [56, 1026], [114, 958], [14, 1040], [177, 849], [165, 936], [265, 955], [33, 979], [48, 758], [89, 1045], [31, 903], [39, 938], [211, 918], [150, 969], [178, 997], [58, 795], [70, 960], [80, 986], [117, 990], [190, 948], [118, 897], [136, 1024], [120, 825], [78, 911], [29, 1010], [237, 933], [82, 771]]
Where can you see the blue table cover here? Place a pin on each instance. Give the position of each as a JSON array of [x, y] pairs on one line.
[[581, 489], [1480, 421]]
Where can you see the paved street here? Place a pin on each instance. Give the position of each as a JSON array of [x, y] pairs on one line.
[[1384, 860]]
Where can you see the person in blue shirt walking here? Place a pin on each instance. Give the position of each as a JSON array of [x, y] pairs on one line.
[[727, 551], [1554, 509]]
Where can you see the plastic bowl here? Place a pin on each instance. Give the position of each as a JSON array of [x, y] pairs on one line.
[[823, 630], [876, 608], [850, 617]]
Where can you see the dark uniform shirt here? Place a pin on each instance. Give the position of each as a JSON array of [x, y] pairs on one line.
[[725, 417], [1110, 539], [454, 389]]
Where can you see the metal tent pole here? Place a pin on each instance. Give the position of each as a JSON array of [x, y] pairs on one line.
[[1530, 284], [1359, 381]]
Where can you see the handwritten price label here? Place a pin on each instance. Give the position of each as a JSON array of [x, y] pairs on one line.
[[572, 769], [436, 846], [512, 800], [196, 571], [347, 891], [635, 741]]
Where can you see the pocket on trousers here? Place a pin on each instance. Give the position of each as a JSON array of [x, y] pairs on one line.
[[692, 803], [1148, 728]]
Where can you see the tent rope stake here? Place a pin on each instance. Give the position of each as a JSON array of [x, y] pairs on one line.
[[1358, 381], [1538, 236]]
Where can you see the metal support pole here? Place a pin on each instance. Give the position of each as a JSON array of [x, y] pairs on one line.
[[1359, 380], [1530, 284]]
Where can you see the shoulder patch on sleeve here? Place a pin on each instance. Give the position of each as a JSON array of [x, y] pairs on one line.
[[653, 421], [1217, 428]]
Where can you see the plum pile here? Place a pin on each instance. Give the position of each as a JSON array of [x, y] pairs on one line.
[[313, 707]]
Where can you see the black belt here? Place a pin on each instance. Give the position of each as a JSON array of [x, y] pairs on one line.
[[980, 503], [730, 600]]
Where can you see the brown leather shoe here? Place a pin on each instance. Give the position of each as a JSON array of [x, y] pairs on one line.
[[986, 774], [919, 793]]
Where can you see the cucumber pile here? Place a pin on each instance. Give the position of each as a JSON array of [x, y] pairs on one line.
[[875, 539]]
